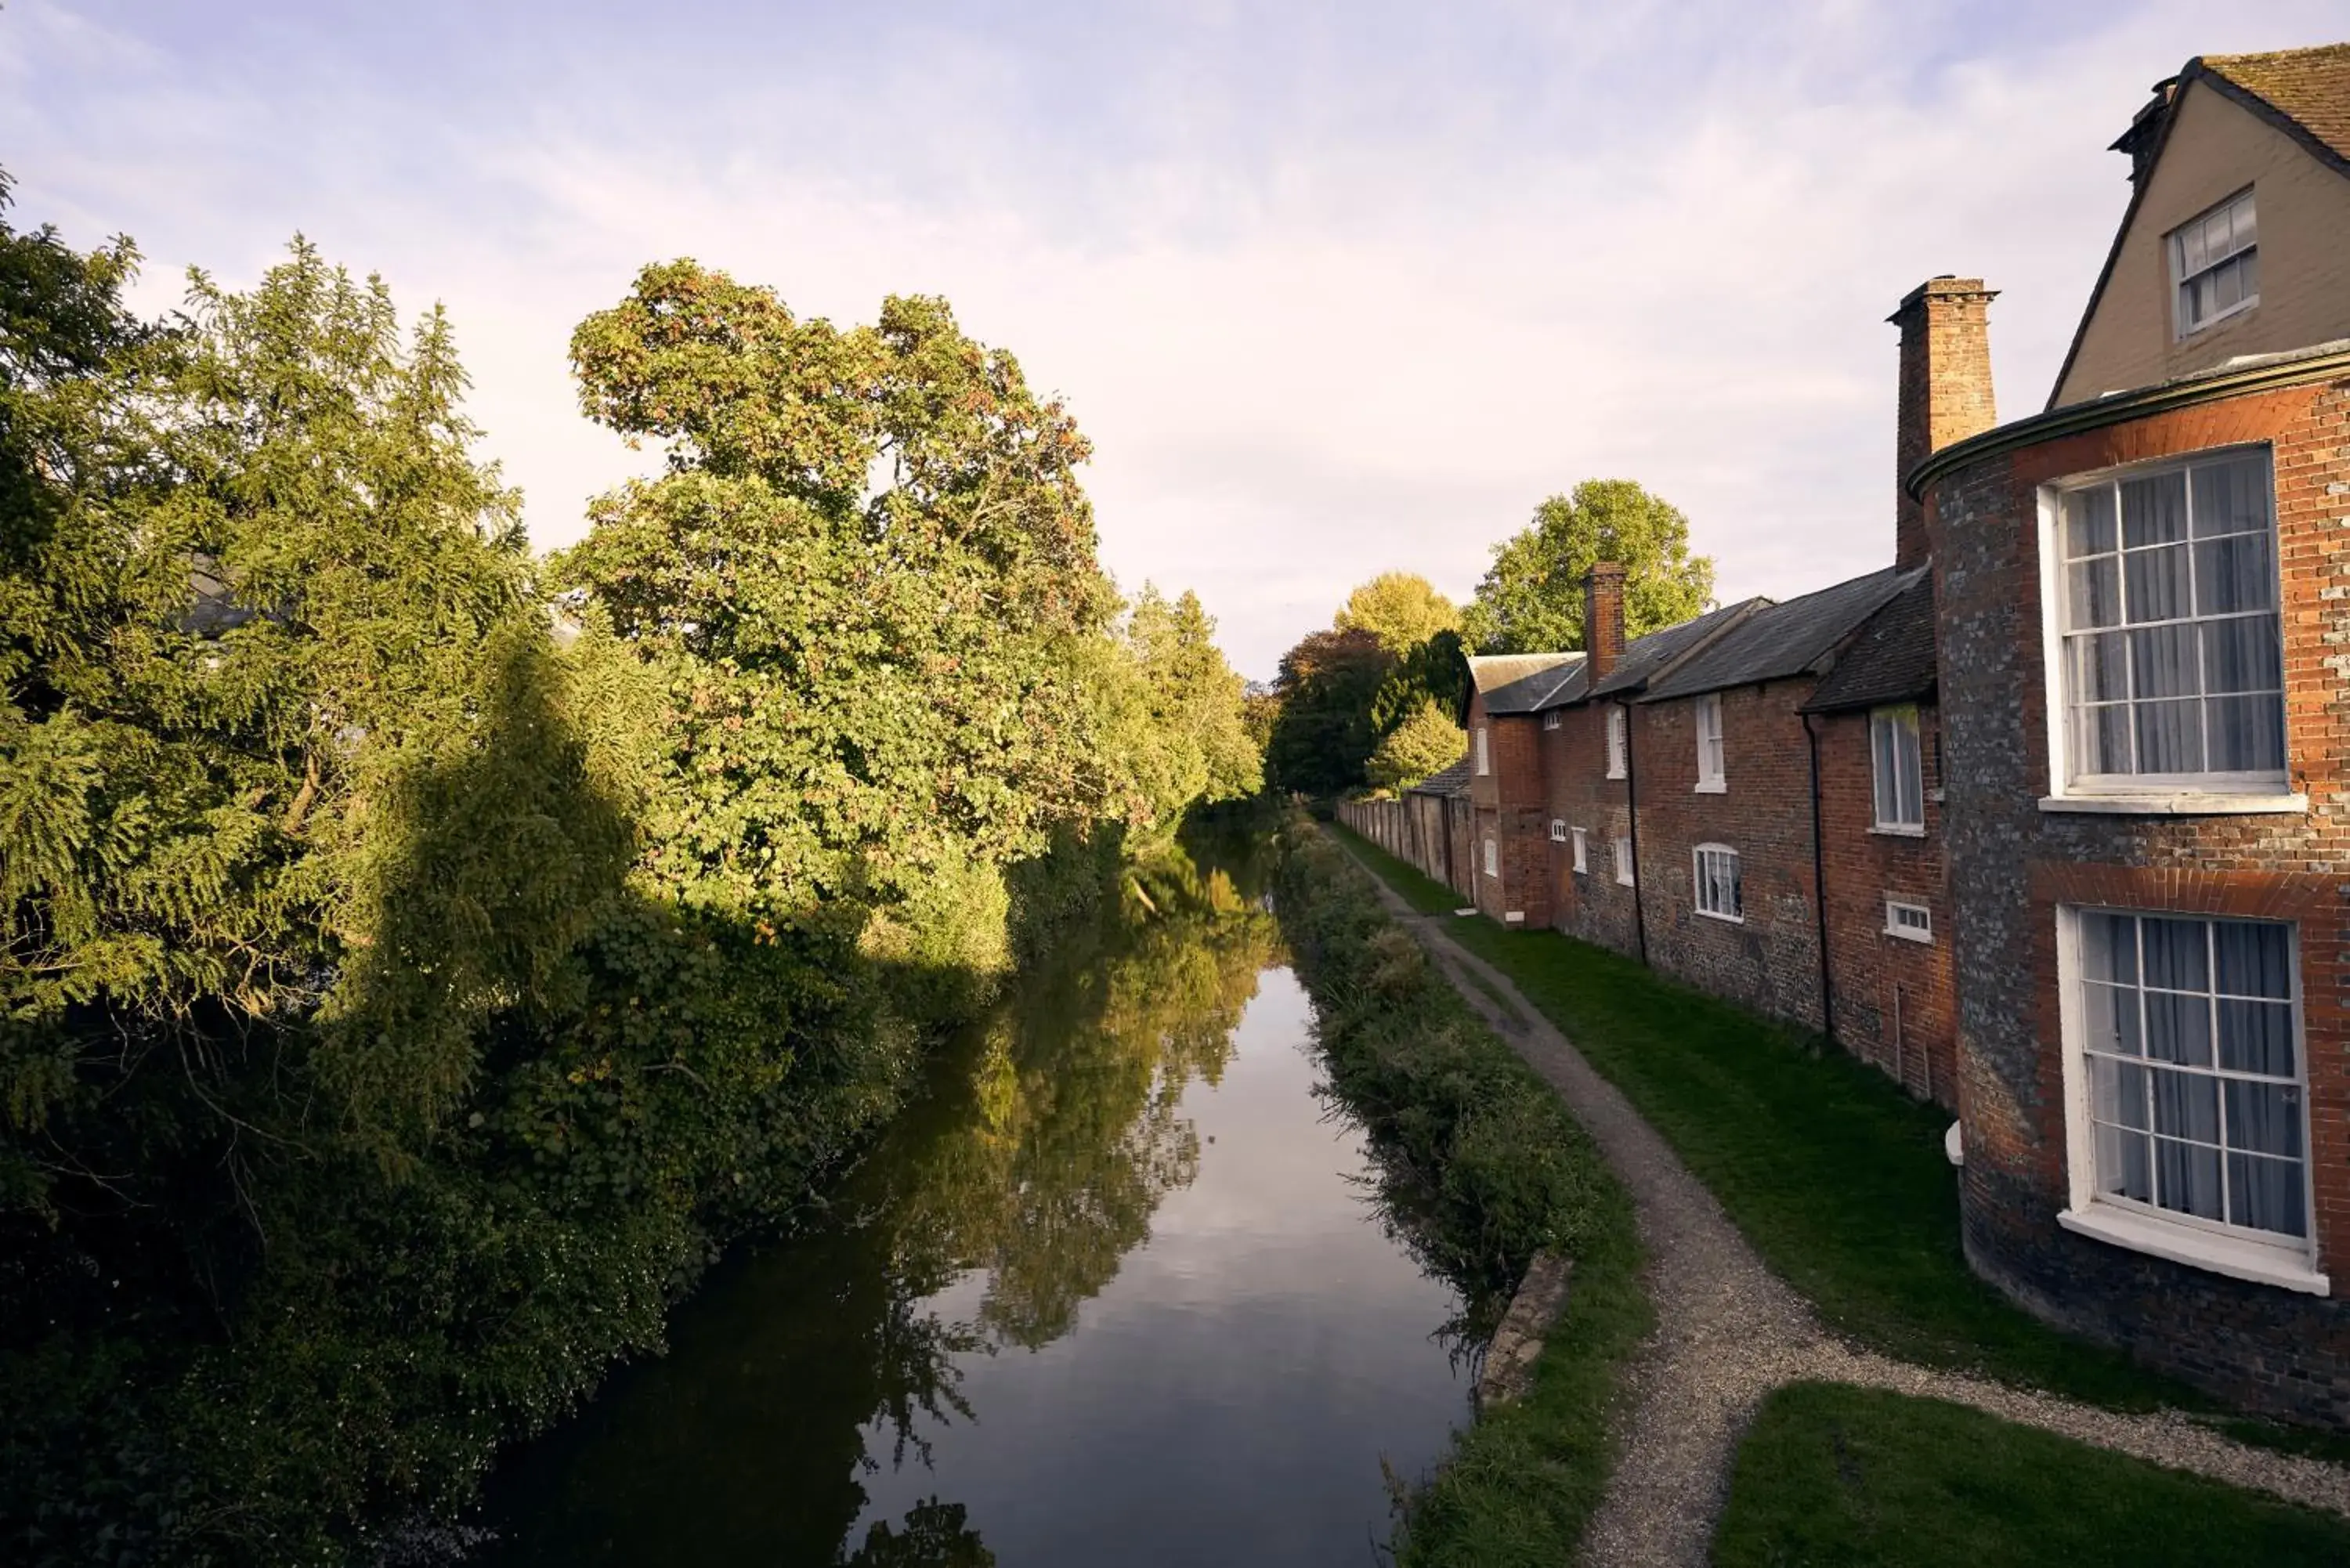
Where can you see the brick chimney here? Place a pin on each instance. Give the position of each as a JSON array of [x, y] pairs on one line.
[[1944, 390], [1603, 617]]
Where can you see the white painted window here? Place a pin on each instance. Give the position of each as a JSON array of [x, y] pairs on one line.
[[1493, 859], [2185, 1075], [1709, 743], [1552, 720], [2169, 645], [1617, 749], [1582, 854], [1557, 831], [1624, 859], [1912, 922], [1716, 880], [1899, 770], [1484, 760], [2215, 264]]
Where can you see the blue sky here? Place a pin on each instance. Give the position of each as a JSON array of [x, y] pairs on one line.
[[1334, 288]]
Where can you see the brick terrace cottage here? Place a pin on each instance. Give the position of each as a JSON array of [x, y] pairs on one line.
[[2051, 818]]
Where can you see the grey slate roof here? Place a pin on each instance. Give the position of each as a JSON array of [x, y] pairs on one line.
[[1453, 781], [1781, 641], [1521, 682], [1646, 658], [1892, 659]]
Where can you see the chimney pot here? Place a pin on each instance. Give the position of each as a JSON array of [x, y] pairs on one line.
[[1603, 617], [1945, 392]]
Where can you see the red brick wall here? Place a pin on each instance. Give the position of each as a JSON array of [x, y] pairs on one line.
[[1770, 961], [1509, 810], [1894, 1000], [1578, 791]]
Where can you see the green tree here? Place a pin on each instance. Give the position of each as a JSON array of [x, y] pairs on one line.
[[1531, 600], [1324, 732], [1402, 610], [1425, 742]]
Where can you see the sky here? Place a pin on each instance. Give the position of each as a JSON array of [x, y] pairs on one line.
[[1335, 289]]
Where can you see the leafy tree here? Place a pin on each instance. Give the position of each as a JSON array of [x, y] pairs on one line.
[[1402, 610], [1428, 740], [1433, 672], [1324, 732], [1531, 600]]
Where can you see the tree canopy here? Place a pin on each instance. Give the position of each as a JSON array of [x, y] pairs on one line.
[[1401, 609], [1531, 600], [1427, 741]]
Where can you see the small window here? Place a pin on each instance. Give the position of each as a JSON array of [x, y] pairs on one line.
[[1552, 720], [1912, 922], [1624, 859], [1493, 859], [2215, 261], [1617, 749], [1900, 777], [1718, 893], [1484, 759], [1557, 831], [1582, 854], [1709, 743]]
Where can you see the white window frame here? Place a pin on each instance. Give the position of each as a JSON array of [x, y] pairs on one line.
[[1582, 852], [1619, 747], [1901, 725], [1484, 752], [1553, 719], [1700, 882], [1920, 930], [1492, 858], [1557, 830], [2143, 794], [2190, 243], [1712, 751], [1625, 874], [2238, 1252]]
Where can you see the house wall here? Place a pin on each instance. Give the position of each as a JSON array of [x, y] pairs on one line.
[[1771, 960], [1509, 807], [2216, 146], [2011, 864], [1594, 907], [1893, 1001]]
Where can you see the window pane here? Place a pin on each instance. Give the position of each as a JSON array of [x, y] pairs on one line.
[[2232, 573], [2265, 1117], [2256, 1037], [2089, 521], [2105, 740], [2109, 947], [2255, 958], [2265, 1194], [2231, 497], [2243, 218], [2118, 1094], [2154, 509], [2125, 1164], [2169, 737], [2242, 655], [2186, 1105], [2177, 953], [2227, 285], [2247, 734], [2249, 263], [2163, 662], [2110, 1018], [2155, 582], [2177, 1029], [2186, 1179], [2092, 592], [2194, 253], [2100, 666]]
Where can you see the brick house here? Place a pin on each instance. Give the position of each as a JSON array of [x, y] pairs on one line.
[[1511, 868], [2142, 601]]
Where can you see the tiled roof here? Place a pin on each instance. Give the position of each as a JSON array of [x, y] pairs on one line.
[[1646, 658], [1782, 639], [1891, 659], [1453, 781], [2309, 87], [1521, 682]]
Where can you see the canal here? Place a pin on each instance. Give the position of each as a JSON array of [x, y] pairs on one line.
[[1120, 1287]]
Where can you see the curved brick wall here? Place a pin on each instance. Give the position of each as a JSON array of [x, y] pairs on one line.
[[2010, 864]]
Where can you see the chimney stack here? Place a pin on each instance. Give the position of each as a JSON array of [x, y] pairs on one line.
[[1945, 393], [1603, 617], [2145, 129]]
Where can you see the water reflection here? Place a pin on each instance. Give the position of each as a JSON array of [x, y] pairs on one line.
[[1110, 1292]]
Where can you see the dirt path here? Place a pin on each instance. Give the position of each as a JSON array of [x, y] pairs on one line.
[[1728, 1330]]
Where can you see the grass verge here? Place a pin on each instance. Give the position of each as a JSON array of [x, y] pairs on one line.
[[1487, 1168], [1832, 1475], [1834, 1174]]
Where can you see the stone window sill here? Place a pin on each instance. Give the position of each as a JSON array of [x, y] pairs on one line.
[[1725, 919], [1895, 830], [2187, 803], [2239, 1259], [1712, 786]]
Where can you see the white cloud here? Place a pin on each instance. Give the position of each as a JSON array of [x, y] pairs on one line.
[[1352, 308]]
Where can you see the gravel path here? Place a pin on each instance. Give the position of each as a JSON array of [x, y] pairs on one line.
[[1728, 1330]]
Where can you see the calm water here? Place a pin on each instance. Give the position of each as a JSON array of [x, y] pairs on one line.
[[1116, 1291]]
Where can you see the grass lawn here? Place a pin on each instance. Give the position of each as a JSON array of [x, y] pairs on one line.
[[1833, 1475], [1422, 892], [1834, 1174]]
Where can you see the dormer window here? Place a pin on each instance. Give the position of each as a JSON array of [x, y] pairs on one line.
[[2215, 261]]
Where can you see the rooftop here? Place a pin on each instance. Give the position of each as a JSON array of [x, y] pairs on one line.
[[1891, 659], [1777, 642], [2310, 87], [1521, 682]]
